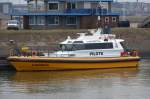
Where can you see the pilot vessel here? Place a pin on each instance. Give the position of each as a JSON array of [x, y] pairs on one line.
[[94, 51]]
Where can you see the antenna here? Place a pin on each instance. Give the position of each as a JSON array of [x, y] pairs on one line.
[[99, 8]]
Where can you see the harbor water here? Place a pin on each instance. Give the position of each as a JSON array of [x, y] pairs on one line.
[[120, 83]]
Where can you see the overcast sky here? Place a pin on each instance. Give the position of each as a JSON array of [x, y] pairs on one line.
[[23, 1]]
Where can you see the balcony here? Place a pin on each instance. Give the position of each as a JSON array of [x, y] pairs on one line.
[[100, 11], [79, 11], [67, 12], [86, 11]]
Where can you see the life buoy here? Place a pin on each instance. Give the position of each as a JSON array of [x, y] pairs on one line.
[[34, 53]]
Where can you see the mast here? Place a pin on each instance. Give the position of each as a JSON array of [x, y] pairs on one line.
[[99, 19], [105, 29]]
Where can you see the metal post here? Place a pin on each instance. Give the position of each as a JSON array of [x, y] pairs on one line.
[[99, 8]]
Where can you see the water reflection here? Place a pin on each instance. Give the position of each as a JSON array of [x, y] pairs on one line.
[[121, 83], [70, 81], [30, 77]]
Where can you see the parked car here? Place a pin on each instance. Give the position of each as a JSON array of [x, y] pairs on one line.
[[124, 23], [13, 25]]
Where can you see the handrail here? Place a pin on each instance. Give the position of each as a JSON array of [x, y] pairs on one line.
[[41, 51], [87, 11]]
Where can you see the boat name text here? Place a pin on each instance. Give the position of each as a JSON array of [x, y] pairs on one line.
[[96, 53]]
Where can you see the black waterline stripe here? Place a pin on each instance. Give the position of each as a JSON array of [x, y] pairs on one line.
[[75, 61]]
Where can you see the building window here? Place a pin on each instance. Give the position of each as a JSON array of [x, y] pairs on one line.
[[106, 19], [114, 19], [40, 5], [71, 20], [71, 5], [36, 20], [53, 6], [40, 20], [53, 20], [32, 5], [87, 5], [32, 20], [6, 9]]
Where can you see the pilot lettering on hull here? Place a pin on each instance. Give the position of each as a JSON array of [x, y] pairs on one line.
[[96, 53]]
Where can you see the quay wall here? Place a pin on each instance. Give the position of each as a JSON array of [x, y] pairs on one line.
[[136, 38]]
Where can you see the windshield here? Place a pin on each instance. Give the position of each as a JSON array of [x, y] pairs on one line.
[[13, 22], [124, 45], [66, 47]]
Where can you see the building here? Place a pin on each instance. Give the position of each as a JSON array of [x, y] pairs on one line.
[[20, 7], [3, 21], [5, 11], [131, 8], [45, 14], [5, 7]]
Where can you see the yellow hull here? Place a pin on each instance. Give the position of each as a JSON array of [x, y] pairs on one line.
[[41, 64]]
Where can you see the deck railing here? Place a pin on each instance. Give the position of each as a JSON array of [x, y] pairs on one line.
[[46, 51], [87, 11], [91, 11]]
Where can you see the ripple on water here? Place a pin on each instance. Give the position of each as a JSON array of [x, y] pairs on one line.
[[125, 83]]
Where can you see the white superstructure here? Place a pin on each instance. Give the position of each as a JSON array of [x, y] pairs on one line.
[[94, 45]]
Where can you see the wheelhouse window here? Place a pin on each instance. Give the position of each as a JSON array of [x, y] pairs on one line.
[[78, 42], [71, 47], [53, 5], [99, 46], [72, 20], [53, 20], [71, 5], [124, 45], [89, 46]]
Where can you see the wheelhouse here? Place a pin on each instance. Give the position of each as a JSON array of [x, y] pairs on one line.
[[85, 46]]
